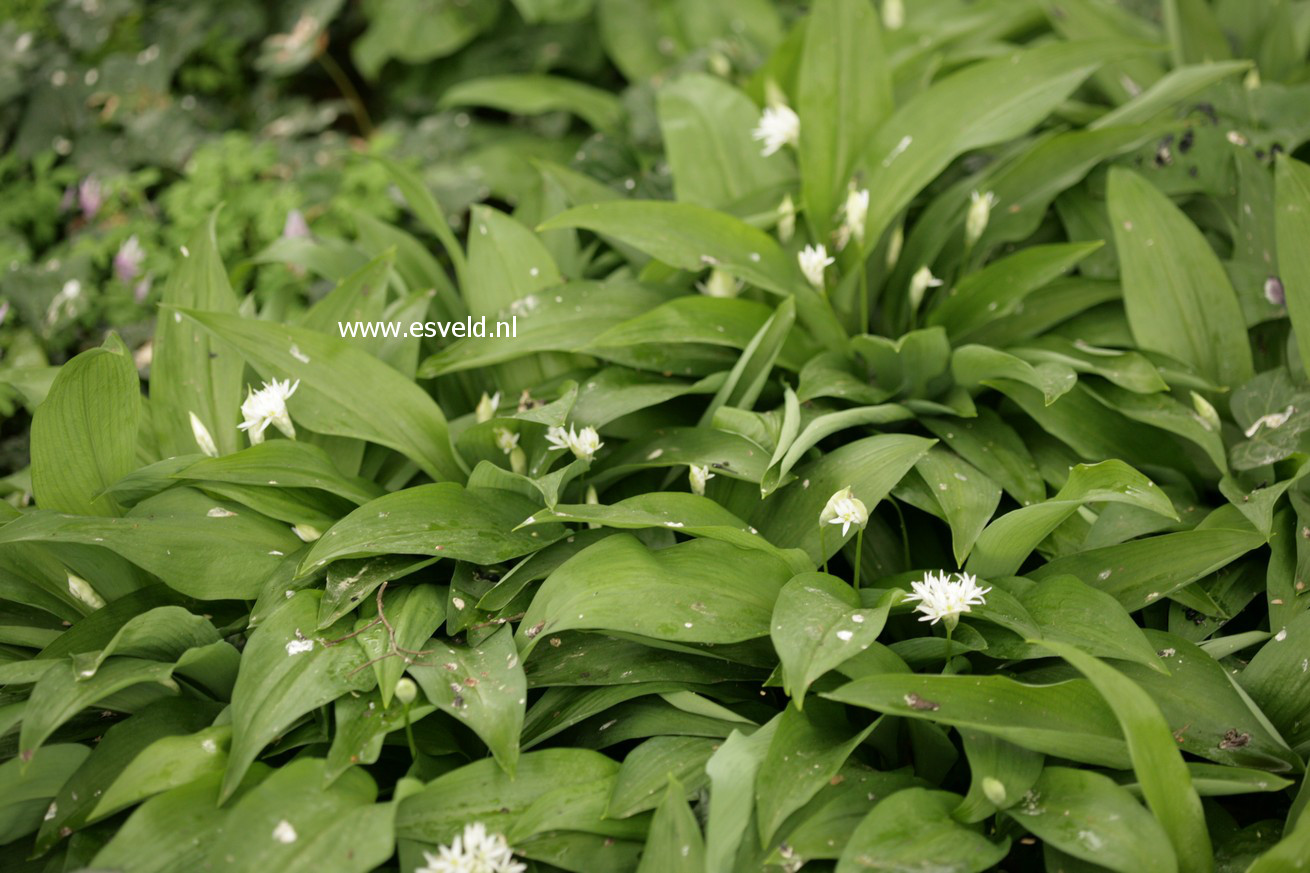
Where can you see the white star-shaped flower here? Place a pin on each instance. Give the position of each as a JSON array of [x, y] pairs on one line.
[[845, 509], [268, 406], [920, 282], [814, 260], [779, 126], [506, 440], [942, 597], [584, 444], [855, 211], [473, 851]]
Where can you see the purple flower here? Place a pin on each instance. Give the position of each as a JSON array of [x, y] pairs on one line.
[[89, 197], [127, 262], [296, 227], [1274, 291], [142, 289]]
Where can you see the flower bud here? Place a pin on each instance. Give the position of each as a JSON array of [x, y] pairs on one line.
[[406, 691], [893, 14], [487, 407], [920, 282], [1205, 411], [980, 212]]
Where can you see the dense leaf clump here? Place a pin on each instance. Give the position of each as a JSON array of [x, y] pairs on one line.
[[898, 463]]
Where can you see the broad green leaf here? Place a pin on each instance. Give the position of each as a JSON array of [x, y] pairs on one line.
[[748, 376], [84, 434], [482, 791], [28, 787], [287, 670], [1166, 783], [482, 686], [1142, 571], [966, 496], [536, 94], [692, 237], [1001, 287], [1073, 612], [675, 843], [160, 634], [913, 829], [1067, 720], [726, 454], [190, 371], [974, 365], [205, 548], [413, 613], [706, 124], [60, 693], [732, 771], [1292, 205], [281, 464], [982, 104], [785, 457], [592, 659], [1181, 304], [427, 209], [702, 591], [1088, 816], [343, 391], [844, 90], [687, 514], [818, 624], [362, 725], [871, 467], [1278, 684], [442, 520], [1002, 548], [169, 762], [807, 749], [647, 769], [291, 822]]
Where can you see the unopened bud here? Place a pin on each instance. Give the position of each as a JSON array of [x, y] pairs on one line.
[[406, 691]]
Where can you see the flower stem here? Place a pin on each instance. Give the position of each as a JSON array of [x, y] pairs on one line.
[[859, 553], [947, 667], [409, 735], [823, 548]]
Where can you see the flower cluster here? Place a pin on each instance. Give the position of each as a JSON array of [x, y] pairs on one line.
[[946, 596], [474, 851], [845, 509]]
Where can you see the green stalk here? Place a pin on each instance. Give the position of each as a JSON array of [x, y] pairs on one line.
[[859, 553]]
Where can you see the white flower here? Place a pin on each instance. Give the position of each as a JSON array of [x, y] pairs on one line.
[[893, 14], [506, 440], [786, 218], [779, 126], [854, 213], [845, 509], [202, 436], [584, 444], [487, 407], [814, 260], [920, 282], [894, 246], [719, 284], [284, 832], [268, 406], [699, 476], [940, 596], [474, 851], [980, 212], [1272, 421]]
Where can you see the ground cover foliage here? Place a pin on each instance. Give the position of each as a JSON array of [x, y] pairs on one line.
[[814, 306]]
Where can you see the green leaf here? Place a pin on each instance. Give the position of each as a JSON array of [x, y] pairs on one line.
[[1072, 612], [169, 762], [281, 464], [649, 767], [482, 791], [1278, 684], [442, 520], [482, 686], [291, 822], [871, 467], [702, 591], [84, 434], [807, 750], [1292, 207], [818, 624], [706, 124], [1088, 816], [190, 372], [1006, 543], [1067, 720], [536, 94], [343, 391], [732, 771], [983, 104], [913, 829], [288, 670], [1166, 783], [692, 237], [675, 843], [1000, 773], [29, 785], [844, 90], [1181, 304]]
